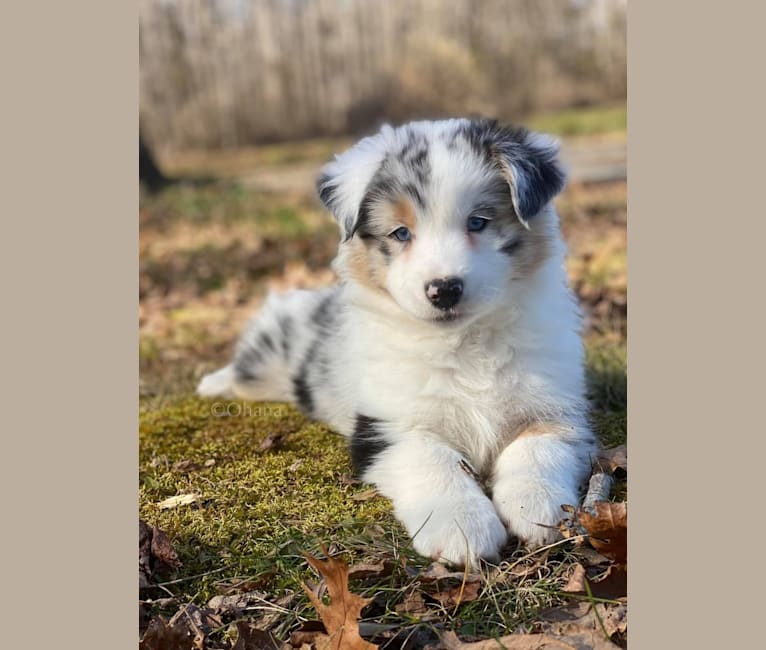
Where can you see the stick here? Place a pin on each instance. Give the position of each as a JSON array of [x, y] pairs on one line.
[[599, 487]]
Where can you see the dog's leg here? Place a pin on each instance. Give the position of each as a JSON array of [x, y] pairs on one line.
[[433, 491], [541, 470]]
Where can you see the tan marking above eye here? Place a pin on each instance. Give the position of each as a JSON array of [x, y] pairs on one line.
[[404, 212]]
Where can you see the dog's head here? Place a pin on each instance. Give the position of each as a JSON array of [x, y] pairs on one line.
[[444, 216]]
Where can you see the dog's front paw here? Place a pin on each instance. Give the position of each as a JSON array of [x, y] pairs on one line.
[[531, 508], [456, 532]]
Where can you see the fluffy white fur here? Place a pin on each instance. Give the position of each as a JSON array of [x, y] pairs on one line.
[[496, 391]]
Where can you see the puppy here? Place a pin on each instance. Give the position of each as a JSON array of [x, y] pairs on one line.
[[449, 354]]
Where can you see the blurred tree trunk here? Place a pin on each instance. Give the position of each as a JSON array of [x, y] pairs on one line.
[[148, 172]]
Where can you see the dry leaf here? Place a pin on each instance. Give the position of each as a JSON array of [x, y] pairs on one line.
[[144, 554], [341, 616], [161, 636], [614, 459], [250, 637], [311, 634], [591, 557], [576, 583], [178, 500], [583, 616], [381, 569], [581, 641], [236, 602], [608, 529], [413, 604], [163, 551], [197, 621], [156, 554], [438, 571], [613, 585], [454, 596]]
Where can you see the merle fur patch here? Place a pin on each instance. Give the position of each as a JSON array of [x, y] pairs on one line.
[[245, 362], [367, 443], [530, 163]]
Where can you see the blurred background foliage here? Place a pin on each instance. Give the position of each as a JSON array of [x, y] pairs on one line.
[[229, 73]]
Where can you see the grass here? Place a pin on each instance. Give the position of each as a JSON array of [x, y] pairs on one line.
[[581, 121], [208, 252]]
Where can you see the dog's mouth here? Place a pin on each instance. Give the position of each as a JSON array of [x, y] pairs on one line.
[[449, 316]]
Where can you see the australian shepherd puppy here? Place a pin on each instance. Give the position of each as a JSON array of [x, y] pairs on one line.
[[449, 353]]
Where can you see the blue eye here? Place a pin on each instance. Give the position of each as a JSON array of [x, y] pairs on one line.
[[476, 224], [402, 234]]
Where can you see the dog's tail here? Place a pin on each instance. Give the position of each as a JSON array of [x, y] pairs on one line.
[[218, 384], [271, 352]]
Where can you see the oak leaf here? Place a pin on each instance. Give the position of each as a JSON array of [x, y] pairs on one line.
[[341, 615], [249, 637], [607, 529]]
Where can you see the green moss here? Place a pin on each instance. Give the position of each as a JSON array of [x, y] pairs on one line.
[[258, 506]]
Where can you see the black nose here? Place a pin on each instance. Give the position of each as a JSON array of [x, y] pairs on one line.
[[444, 293]]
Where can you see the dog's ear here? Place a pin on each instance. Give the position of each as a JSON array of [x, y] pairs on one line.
[[529, 162], [342, 183]]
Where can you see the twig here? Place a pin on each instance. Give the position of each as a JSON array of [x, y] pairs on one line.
[[599, 487]]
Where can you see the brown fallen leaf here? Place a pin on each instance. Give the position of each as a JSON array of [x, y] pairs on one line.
[[591, 557], [156, 555], [612, 585], [250, 637], [341, 615], [614, 459], [381, 569], [577, 579], [438, 571], [580, 641], [413, 604], [144, 554], [608, 529], [311, 634], [235, 603], [163, 552], [196, 622], [583, 616], [162, 636], [451, 597]]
